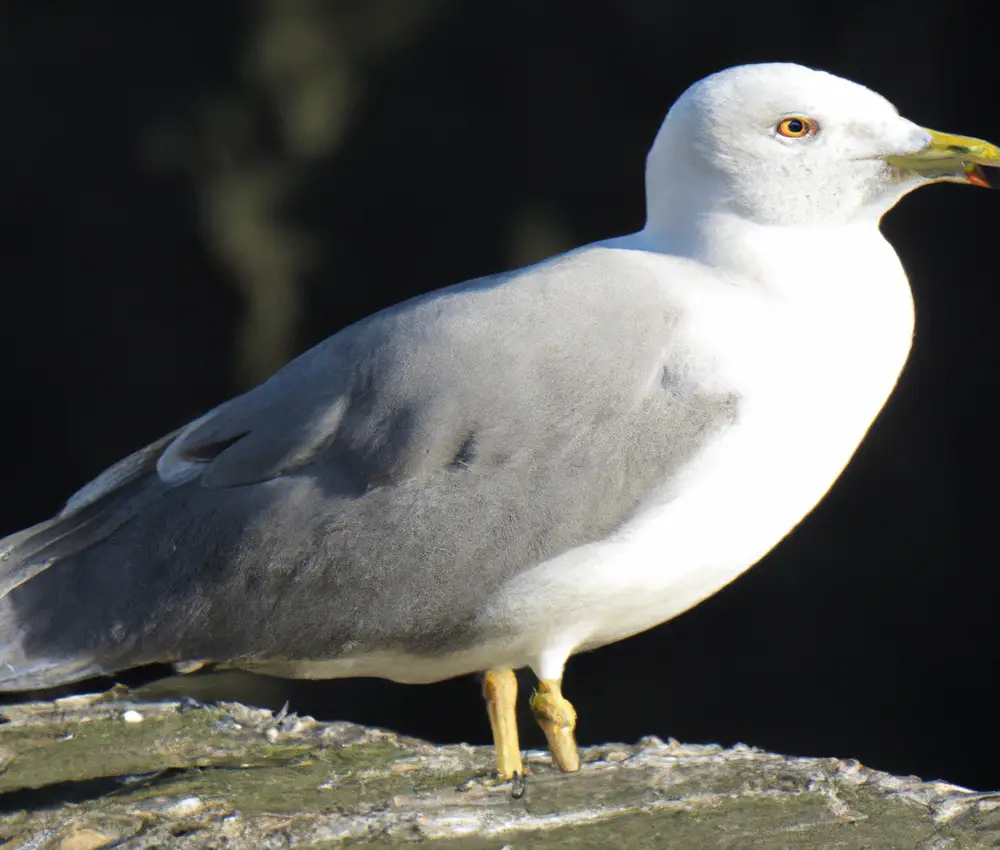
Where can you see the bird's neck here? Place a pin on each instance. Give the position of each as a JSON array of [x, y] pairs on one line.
[[777, 257]]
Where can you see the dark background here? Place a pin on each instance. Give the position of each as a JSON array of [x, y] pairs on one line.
[[190, 193]]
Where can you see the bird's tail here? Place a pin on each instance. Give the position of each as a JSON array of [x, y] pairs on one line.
[[21, 669], [34, 566]]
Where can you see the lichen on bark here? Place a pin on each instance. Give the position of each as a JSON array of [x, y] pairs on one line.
[[99, 771]]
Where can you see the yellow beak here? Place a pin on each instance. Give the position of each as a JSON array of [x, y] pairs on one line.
[[948, 157]]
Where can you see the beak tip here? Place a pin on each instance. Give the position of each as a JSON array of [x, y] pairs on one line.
[[977, 177]]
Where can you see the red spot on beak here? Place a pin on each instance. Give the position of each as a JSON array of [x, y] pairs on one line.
[[976, 177]]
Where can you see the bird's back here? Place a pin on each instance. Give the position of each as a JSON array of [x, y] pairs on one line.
[[376, 492]]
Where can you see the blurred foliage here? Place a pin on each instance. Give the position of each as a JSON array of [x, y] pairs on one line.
[[213, 187]]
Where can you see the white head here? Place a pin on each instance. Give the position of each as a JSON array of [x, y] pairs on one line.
[[780, 144]]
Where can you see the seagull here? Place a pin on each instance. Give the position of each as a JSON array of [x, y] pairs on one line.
[[508, 471]]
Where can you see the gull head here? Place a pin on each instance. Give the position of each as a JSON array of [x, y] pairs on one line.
[[785, 145]]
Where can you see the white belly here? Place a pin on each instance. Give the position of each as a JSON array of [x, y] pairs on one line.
[[811, 374]]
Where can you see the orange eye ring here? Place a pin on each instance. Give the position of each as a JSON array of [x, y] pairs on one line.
[[796, 127]]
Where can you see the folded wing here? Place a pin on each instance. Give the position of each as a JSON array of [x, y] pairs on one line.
[[376, 492]]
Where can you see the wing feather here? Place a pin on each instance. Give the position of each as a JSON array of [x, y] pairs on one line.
[[377, 490]]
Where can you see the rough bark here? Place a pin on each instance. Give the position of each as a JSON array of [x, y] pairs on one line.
[[99, 771]]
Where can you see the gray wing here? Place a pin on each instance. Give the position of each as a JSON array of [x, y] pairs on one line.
[[375, 492]]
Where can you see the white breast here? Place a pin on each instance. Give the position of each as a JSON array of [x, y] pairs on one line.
[[812, 356]]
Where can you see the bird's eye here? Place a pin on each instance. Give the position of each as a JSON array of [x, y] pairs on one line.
[[796, 127]]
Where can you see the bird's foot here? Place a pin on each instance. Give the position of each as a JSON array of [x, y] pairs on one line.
[[480, 786], [557, 717]]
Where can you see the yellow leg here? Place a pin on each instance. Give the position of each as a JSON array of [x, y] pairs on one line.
[[557, 717], [500, 690]]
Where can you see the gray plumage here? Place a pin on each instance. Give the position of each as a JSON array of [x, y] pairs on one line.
[[374, 494]]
